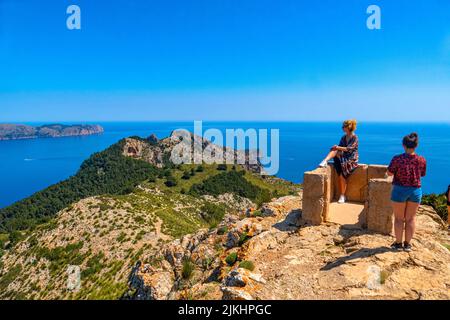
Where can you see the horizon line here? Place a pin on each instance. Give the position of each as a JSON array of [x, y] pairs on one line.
[[224, 120]]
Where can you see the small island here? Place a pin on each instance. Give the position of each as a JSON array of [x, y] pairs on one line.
[[21, 131]]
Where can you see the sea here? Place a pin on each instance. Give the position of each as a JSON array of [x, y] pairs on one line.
[[27, 166]]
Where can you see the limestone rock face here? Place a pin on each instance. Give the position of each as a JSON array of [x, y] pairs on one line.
[[158, 152], [152, 286], [140, 149]]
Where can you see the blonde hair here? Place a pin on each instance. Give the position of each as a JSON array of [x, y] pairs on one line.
[[350, 125]]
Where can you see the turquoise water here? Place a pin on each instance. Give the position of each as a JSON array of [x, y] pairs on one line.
[[27, 166]]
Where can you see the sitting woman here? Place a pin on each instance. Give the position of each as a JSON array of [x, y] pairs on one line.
[[408, 169], [345, 156]]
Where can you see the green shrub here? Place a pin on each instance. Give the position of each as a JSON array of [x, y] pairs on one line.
[[171, 182], [200, 168], [222, 230], [231, 258], [4, 238], [94, 265], [188, 269], [257, 213], [186, 175], [121, 237], [212, 213], [206, 263], [438, 202], [14, 237], [60, 257], [247, 265], [10, 276], [243, 238], [222, 167], [234, 182]]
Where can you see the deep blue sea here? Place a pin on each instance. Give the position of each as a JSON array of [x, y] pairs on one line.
[[27, 166]]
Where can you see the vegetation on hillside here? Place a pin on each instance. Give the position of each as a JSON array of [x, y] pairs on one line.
[[129, 208], [234, 182], [438, 202], [106, 172]]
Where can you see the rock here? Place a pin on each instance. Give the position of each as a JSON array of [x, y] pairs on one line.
[[338, 240], [241, 277], [236, 278], [73, 278], [232, 239], [153, 139], [281, 206], [236, 294], [156, 286]]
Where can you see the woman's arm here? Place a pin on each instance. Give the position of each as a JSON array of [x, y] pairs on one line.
[[392, 168], [352, 146], [424, 168]]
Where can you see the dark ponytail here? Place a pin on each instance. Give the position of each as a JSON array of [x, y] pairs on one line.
[[411, 141]]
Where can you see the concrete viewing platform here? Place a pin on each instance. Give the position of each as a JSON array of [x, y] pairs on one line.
[[368, 196]]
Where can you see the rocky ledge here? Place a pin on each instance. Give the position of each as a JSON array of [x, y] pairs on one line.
[[273, 253], [20, 131]]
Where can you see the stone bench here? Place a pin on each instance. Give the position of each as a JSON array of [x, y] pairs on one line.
[[367, 185]]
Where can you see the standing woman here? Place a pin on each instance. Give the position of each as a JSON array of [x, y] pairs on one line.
[[407, 169], [345, 156]]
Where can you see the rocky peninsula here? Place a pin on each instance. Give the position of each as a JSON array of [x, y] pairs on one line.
[[21, 131]]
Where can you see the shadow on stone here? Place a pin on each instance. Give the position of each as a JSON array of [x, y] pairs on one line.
[[361, 253], [290, 223]]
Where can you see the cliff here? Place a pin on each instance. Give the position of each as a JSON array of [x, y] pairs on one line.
[[277, 255], [20, 131]]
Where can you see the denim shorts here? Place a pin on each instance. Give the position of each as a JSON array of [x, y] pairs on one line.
[[406, 194]]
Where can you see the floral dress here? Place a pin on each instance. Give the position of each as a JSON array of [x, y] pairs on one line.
[[347, 161]]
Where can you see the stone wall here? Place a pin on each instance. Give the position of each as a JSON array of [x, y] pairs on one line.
[[316, 195], [379, 209], [367, 185], [357, 184]]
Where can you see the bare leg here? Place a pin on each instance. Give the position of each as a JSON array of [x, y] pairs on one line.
[[410, 219], [399, 216], [342, 184], [331, 155]]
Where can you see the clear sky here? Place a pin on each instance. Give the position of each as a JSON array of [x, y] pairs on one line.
[[224, 60]]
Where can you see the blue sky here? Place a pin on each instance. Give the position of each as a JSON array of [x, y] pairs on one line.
[[224, 60]]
